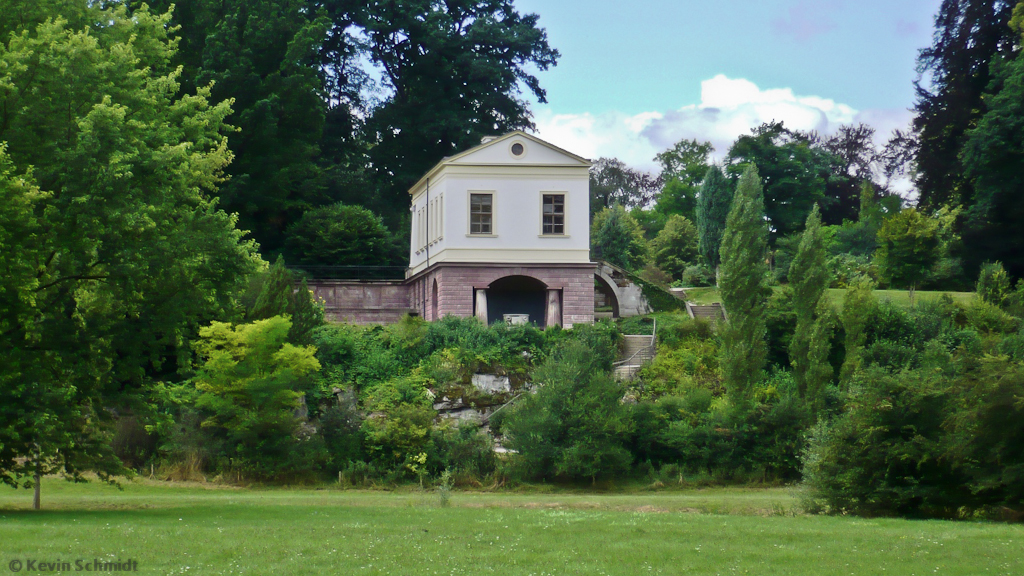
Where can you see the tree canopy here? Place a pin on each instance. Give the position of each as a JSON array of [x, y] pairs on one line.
[[683, 167], [954, 75], [993, 156], [119, 252], [794, 171]]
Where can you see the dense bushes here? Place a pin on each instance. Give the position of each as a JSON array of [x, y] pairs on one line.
[[361, 402], [924, 418], [575, 425], [933, 425], [883, 454]]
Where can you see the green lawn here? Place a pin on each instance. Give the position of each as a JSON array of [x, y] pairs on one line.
[[175, 529], [901, 297]]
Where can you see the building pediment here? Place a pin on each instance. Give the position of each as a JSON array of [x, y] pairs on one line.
[[513, 149]]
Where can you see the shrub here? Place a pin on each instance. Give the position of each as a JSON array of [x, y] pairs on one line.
[[846, 268], [993, 283], [688, 365], [676, 328], [891, 355], [601, 338], [989, 319], [988, 432], [760, 444], [655, 275], [399, 440], [884, 455], [1013, 346], [464, 449], [574, 426], [341, 428], [132, 443], [891, 322], [698, 275], [251, 385], [636, 325]]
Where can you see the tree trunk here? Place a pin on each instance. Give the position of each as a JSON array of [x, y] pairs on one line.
[[913, 287], [38, 478]]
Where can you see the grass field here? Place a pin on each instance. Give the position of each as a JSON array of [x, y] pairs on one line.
[[176, 529], [900, 297]]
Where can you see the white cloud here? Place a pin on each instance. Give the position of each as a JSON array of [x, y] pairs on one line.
[[728, 108]]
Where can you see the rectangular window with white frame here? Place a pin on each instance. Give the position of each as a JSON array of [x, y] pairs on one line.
[[481, 213], [553, 214]]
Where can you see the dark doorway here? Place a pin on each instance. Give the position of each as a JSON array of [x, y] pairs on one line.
[[517, 295]]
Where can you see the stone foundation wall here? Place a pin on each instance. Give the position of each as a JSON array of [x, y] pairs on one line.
[[358, 302], [449, 289], [456, 283]]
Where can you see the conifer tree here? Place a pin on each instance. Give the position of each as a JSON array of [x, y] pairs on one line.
[[857, 306], [744, 286], [712, 211], [617, 238], [274, 293], [808, 276], [819, 371]]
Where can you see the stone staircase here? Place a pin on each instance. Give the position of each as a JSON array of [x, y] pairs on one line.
[[638, 351], [711, 312]]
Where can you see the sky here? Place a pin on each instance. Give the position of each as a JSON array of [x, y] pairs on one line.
[[634, 78]]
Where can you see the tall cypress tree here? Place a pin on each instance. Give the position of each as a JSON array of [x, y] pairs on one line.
[[744, 286], [857, 307], [808, 276], [819, 370], [712, 210]]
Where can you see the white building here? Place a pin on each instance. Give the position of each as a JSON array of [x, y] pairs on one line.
[[503, 229]]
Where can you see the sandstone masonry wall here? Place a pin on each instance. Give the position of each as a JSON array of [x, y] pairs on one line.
[[358, 302]]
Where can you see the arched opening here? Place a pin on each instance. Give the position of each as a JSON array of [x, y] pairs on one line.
[[433, 301], [520, 295], [605, 301]]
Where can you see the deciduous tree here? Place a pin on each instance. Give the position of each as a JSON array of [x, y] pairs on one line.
[[262, 56], [908, 248], [251, 383], [115, 251], [453, 73], [795, 172], [338, 235], [675, 247], [613, 183], [682, 168]]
